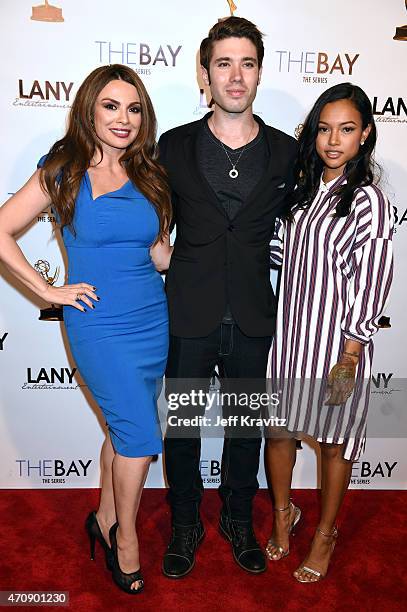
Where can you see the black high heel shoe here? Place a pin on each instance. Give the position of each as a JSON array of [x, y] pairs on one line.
[[95, 533], [123, 581]]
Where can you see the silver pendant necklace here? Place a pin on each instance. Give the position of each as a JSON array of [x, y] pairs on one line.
[[233, 172]]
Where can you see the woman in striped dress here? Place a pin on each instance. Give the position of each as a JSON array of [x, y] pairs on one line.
[[336, 254]]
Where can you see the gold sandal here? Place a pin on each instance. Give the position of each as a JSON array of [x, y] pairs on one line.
[[311, 570], [280, 550]]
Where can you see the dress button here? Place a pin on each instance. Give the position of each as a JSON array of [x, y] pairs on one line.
[[231, 227]]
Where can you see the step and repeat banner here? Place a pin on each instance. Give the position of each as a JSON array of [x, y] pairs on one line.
[[50, 430]]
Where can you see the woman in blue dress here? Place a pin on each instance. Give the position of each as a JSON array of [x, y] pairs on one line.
[[113, 204]]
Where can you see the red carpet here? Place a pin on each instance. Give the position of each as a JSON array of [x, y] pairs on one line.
[[44, 547]]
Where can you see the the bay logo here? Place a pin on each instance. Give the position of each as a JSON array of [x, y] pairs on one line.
[[400, 217], [370, 470], [315, 66], [210, 471], [46, 216], [143, 55], [53, 471]]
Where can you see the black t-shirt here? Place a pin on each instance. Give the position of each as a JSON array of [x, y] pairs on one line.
[[251, 163]]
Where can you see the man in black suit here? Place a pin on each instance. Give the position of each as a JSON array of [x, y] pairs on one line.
[[229, 173]]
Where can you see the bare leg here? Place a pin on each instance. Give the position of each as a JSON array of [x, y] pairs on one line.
[[335, 477], [129, 476], [106, 514], [280, 461]]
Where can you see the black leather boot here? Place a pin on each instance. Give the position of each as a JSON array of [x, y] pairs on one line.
[[179, 558], [246, 550]]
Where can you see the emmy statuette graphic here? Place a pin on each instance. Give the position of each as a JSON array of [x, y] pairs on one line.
[[298, 130], [384, 322], [232, 7], [54, 313], [401, 32], [46, 12]]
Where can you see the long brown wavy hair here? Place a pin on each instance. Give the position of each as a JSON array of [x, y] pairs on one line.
[[70, 157]]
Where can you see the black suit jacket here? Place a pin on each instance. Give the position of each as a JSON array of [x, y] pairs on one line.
[[216, 260]]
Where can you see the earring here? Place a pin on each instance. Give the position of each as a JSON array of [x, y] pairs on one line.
[[362, 142]]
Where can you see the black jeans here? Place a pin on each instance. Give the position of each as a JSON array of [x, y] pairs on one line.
[[237, 356]]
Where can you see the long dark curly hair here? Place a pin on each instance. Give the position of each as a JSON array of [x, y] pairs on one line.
[[69, 158], [359, 171]]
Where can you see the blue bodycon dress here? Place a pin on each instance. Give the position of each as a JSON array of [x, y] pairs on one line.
[[120, 347]]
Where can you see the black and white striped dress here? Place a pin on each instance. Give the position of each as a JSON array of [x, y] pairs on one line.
[[336, 277]]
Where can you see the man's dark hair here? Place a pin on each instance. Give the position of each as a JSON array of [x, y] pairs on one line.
[[236, 27]]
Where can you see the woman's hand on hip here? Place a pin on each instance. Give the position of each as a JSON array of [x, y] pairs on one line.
[[72, 295]]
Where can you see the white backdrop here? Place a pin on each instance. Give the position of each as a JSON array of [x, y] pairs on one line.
[[50, 432]]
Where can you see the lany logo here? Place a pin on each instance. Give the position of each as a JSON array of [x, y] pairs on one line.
[[51, 379], [44, 94], [2, 340]]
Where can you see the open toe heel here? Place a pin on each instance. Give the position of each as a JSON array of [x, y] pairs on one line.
[[123, 580], [94, 533], [280, 552], [311, 571]]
